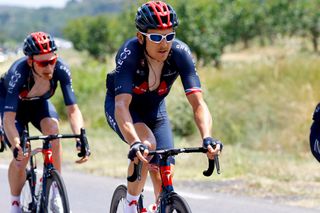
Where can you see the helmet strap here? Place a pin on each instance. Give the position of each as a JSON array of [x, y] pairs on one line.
[[34, 70], [144, 45]]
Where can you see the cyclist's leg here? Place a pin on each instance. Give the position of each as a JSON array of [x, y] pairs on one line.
[[16, 172], [46, 120], [163, 134], [146, 137]]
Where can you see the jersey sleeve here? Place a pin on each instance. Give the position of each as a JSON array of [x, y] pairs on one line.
[[127, 61], [64, 77], [186, 66], [13, 81]]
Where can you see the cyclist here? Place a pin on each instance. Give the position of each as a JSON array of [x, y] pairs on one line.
[[146, 67], [314, 134], [25, 90]]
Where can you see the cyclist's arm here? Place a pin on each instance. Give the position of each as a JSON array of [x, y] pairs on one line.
[[75, 118], [203, 120], [201, 113], [124, 119], [10, 128], [76, 123]]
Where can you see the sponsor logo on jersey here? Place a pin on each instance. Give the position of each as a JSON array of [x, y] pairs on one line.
[[13, 81]]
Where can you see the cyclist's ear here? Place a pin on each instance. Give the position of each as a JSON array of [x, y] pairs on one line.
[[140, 38]]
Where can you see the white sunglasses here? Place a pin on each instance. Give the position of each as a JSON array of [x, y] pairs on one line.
[[157, 38]]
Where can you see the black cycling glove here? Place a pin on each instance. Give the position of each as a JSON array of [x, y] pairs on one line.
[[211, 141], [134, 148]]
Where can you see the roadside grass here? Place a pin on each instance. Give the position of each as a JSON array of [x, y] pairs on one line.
[[262, 112]]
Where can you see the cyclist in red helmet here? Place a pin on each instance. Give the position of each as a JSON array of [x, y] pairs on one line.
[[146, 68], [25, 90]]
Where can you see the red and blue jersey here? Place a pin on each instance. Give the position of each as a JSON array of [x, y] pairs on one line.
[[132, 71], [18, 81]]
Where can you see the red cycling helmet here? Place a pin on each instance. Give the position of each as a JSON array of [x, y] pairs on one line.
[[155, 15], [38, 43]]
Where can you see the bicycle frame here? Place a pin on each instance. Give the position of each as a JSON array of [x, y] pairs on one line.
[[39, 198], [166, 173], [32, 172], [166, 182]]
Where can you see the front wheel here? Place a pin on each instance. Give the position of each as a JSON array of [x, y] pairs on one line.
[[56, 197], [26, 197], [178, 204], [118, 201]]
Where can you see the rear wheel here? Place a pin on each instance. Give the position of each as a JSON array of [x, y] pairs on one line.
[[177, 204], [56, 197], [118, 201]]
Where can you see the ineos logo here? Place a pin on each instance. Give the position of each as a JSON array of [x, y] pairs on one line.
[[122, 57], [13, 81]]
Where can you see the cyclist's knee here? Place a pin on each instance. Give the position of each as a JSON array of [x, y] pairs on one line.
[[49, 126], [153, 168]]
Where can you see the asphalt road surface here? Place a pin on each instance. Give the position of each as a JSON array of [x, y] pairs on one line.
[[92, 194]]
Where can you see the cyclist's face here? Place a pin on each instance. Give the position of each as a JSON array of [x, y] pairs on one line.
[[159, 51], [44, 64]]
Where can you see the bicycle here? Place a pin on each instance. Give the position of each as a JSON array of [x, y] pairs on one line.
[[36, 194], [168, 201]]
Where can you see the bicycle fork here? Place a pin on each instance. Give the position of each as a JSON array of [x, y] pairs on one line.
[[47, 167], [167, 186]]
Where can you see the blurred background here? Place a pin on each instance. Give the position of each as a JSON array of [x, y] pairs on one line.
[[259, 64]]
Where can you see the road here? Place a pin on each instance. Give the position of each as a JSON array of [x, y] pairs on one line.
[[92, 194]]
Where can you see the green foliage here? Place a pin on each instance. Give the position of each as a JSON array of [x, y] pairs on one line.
[[52, 20], [207, 26], [89, 85], [180, 115], [100, 35], [84, 35]]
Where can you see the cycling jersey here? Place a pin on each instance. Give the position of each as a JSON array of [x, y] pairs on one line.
[[131, 77], [18, 81], [131, 74]]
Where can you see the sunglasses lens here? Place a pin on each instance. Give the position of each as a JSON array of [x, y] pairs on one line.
[[155, 37], [46, 63], [170, 37], [52, 61]]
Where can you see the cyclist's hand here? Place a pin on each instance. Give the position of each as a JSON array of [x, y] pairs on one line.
[[17, 153], [84, 152], [139, 150], [214, 146], [83, 159], [82, 145]]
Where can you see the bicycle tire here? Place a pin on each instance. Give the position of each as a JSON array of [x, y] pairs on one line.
[[26, 197], [56, 179], [118, 197], [177, 204]]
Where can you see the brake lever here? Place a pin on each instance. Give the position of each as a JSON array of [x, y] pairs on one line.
[[85, 150]]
